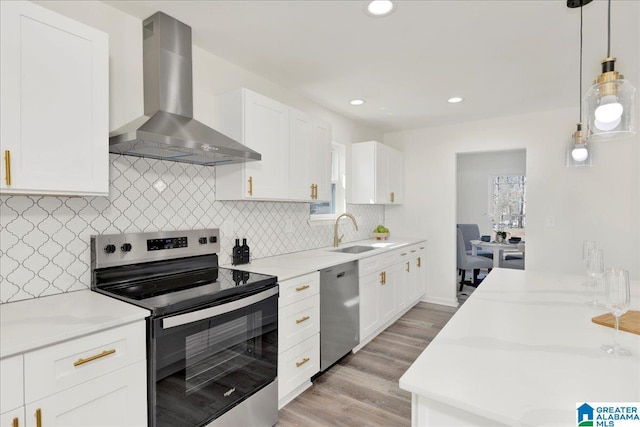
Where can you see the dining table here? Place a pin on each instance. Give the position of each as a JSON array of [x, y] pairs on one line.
[[498, 248]]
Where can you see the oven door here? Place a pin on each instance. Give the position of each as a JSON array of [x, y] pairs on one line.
[[205, 362]]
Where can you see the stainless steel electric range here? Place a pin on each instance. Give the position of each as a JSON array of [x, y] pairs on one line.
[[212, 337]]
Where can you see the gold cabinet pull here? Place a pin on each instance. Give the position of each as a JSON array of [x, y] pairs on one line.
[[15, 422], [94, 357], [404, 254], [312, 193], [302, 288], [250, 191], [413, 250], [305, 318], [419, 262], [408, 267], [421, 247], [7, 166], [38, 417], [315, 191], [393, 197], [383, 278], [305, 360]]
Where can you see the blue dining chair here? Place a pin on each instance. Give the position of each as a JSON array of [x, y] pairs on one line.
[[469, 262]]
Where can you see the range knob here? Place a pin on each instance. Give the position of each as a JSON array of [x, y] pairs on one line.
[[109, 249], [126, 247], [202, 240]]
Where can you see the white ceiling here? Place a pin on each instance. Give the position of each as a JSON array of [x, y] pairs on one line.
[[504, 57]]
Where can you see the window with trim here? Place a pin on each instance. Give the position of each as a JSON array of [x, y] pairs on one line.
[[328, 210], [508, 203]]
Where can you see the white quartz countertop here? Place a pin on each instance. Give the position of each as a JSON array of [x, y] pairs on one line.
[[522, 350], [31, 324], [297, 264]]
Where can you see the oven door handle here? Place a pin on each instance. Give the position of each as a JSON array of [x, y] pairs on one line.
[[206, 313]]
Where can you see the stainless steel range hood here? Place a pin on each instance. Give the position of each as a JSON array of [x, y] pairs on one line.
[[168, 131]]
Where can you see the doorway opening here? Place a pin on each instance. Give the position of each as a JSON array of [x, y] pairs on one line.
[[490, 211]]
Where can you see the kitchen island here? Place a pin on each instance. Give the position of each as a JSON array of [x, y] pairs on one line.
[[522, 350]]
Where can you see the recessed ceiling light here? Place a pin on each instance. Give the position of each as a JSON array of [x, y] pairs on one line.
[[455, 100], [379, 8], [356, 102]]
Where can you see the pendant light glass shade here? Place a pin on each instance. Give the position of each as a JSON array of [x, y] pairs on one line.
[[579, 152], [610, 105]]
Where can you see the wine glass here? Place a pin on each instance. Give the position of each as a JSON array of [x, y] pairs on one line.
[[595, 269], [617, 294], [587, 246]]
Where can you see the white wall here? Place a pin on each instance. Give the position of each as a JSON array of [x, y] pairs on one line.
[[474, 172], [212, 75], [599, 203]]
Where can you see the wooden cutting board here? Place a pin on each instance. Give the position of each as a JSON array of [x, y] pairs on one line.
[[629, 322]]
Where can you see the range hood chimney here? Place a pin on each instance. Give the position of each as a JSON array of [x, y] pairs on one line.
[[168, 131]]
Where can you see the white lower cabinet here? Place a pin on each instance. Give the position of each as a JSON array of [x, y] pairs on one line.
[[296, 366], [14, 418], [116, 399], [95, 380], [11, 391], [390, 284], [298, 335]]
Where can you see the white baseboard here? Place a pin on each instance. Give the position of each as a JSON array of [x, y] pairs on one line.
[[295, 393], [441, 301]]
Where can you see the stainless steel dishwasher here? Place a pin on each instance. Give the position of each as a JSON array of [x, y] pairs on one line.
[[339, 312]]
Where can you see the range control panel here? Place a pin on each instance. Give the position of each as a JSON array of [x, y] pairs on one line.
[[108, 250]]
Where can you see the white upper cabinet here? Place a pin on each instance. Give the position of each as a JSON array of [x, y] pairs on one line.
[[376, 174], [295, 150], [310, 158], [261, 124], [319, 161], [54, 109], [301, 128]]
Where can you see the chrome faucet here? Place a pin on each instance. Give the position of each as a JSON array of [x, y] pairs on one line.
[[336, 239]]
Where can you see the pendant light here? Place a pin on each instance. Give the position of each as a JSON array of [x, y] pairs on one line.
[[610, 106], [579, 153]]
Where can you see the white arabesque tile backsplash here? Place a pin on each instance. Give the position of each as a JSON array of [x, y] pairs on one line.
[[44, 241]]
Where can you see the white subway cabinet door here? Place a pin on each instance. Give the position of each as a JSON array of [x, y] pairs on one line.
[[54, 81], [377, 174], [261, 124], [319, 161], [117, 399], [267, 132], [301, 156]]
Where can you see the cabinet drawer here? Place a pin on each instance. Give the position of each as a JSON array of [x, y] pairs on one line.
[[58, 367], [297, 322], [117, 399], [12, 384], [297, 365], [298, 288], [376, 263]]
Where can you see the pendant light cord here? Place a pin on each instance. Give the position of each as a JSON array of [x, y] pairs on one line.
[[609, 30], [580, 89]]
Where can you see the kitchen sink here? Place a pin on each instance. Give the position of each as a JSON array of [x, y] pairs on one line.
[[354, 249]]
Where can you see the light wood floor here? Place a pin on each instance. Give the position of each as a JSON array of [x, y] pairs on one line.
[[362, 388]]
